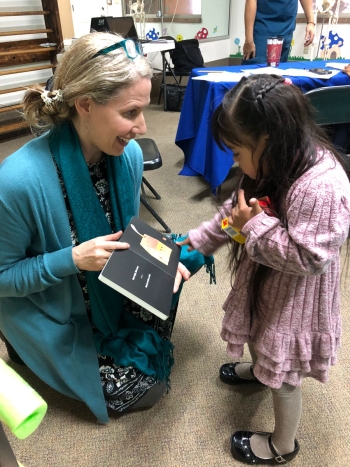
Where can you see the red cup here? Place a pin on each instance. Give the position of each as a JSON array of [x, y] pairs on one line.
[[274, 50]]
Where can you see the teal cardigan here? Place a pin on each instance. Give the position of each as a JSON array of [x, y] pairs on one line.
[[42, 311]]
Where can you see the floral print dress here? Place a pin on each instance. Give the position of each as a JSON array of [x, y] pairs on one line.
[[122, 386]]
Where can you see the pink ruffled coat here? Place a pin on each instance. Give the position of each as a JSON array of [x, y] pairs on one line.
[[299, 333]]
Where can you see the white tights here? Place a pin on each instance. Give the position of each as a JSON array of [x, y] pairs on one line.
[[287, 405]]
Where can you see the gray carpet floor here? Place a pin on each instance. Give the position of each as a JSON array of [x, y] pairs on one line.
[[191, 426]]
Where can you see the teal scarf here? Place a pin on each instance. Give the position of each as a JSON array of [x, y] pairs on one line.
[[129, 340]]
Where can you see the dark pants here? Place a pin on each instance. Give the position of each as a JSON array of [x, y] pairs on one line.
[[261, 46]]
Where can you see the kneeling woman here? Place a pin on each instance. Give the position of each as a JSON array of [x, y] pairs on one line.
[[65, 199]]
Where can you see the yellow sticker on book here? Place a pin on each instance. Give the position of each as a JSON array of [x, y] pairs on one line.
[[156, 249]]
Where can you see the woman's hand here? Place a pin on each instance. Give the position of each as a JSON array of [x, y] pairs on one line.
[[309, 34], [242, 213], [249, 50], [182, 273], [93, 254]]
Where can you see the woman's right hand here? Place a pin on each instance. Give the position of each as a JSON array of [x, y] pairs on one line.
[[93, 254]]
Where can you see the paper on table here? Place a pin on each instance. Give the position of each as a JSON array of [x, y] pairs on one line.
[[308, 74], [227, 76], [267, 70], [338, 66], [223, 76], [290, 72]]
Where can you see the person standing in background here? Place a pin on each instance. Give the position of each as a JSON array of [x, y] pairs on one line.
[[263, 19]]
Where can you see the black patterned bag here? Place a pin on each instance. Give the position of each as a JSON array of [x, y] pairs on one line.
[[174, 96], [186, 56]]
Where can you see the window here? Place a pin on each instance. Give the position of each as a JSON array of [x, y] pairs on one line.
[[182, 19], [183, 8]]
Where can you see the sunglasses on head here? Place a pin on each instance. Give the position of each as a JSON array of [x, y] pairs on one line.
[[131, 48]]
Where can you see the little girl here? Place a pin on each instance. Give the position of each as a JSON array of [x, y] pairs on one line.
[[285, 296]]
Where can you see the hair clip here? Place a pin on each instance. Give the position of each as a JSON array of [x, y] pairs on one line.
[[287, 81], [59, 96], [49, 100], [45, 97]]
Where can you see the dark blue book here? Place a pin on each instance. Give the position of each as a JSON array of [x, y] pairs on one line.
[[146, 271]]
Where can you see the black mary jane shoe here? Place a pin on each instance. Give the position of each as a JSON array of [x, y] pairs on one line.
[[228, 375], [241, 450]]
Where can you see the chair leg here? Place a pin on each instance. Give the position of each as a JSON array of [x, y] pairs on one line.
[[164, 80], [160, 91], [7, 457], [154, 214], [160, 94], [150, 187]]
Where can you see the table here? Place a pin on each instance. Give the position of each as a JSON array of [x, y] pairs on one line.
[[157, 46], [202, 155]]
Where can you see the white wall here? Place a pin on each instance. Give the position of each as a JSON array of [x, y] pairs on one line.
[[215, 50]]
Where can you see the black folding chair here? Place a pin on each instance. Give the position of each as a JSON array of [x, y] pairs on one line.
[[151, 160], [169, 70], [7, 457], [331, 107]]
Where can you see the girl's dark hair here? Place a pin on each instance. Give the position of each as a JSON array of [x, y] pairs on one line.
[[257, 106]]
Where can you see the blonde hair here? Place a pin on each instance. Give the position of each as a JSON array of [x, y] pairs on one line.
[[78, 74]]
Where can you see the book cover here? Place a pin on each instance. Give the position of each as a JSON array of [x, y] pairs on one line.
[[146, 271]]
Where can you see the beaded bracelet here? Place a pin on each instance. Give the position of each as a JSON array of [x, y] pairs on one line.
[[311, 22]]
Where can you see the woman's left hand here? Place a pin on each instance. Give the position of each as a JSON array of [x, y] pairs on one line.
[[242, 213], [182, 273]]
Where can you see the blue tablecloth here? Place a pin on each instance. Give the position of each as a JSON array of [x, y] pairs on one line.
[[194, 136]]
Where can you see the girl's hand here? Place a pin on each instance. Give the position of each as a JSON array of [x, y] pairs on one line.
[[93, 254], [187, 241], [242, 213], [182, 273]]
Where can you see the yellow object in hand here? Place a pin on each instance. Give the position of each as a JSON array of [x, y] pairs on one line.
[[232, 232]]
